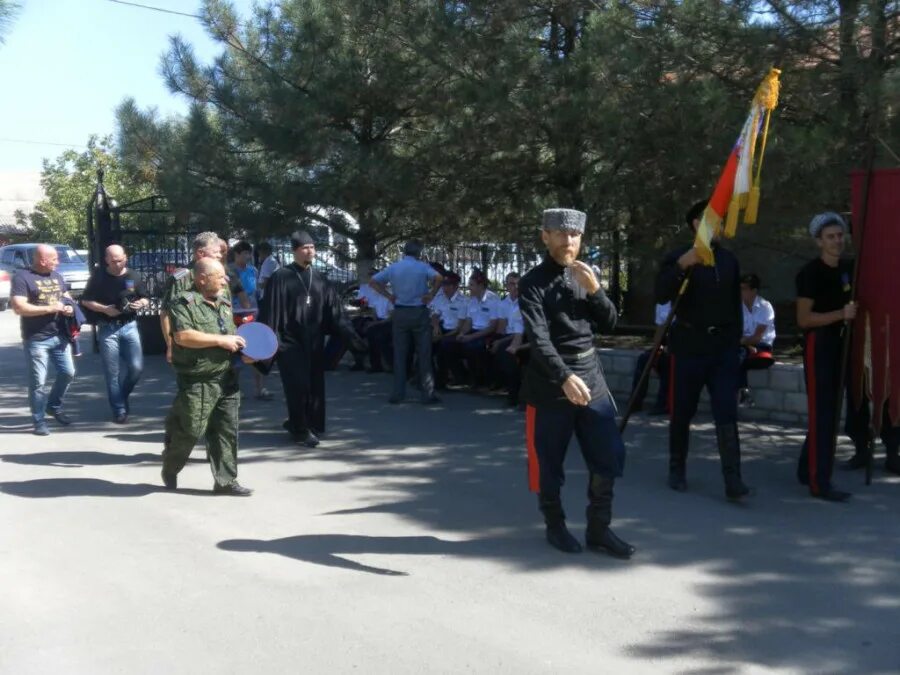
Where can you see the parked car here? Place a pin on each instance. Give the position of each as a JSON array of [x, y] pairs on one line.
[[5, 283], [72, 267]]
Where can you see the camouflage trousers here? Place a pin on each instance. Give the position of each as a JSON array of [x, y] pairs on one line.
[[208, 407]]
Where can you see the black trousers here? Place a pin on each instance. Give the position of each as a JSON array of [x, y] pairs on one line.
[[303, 381], [821, 368], [662, 370], [548, 431]]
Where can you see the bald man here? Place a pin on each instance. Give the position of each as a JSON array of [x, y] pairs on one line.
[[40, 297], [208, 397], [115, 295]]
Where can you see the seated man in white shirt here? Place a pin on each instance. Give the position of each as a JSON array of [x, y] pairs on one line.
[[467, 354], [509, 351], [448, 309], [661, 367], [376, 330], [759, 333]]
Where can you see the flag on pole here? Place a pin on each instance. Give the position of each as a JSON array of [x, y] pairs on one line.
[[738, 187]]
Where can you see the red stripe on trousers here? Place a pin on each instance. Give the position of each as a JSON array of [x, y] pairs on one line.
[[534, 469], [812, 437]]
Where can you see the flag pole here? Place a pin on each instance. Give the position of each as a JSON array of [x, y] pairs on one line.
[[654, 355], [847, 332]]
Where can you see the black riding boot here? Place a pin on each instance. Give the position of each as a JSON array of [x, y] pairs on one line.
[[598, 536], [730, 456], [679, 435], [558, 534]]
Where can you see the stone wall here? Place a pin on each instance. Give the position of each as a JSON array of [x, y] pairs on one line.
[[778, 392]]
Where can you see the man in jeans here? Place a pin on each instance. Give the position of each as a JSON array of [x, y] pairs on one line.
[[116, 294], [37, 297]]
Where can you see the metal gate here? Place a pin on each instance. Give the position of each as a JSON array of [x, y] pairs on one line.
[[156, 246]]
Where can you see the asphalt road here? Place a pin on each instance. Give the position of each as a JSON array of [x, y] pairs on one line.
[[408, 543]]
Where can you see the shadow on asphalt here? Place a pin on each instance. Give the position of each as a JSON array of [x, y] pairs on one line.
[[788, 582], [78, 458]]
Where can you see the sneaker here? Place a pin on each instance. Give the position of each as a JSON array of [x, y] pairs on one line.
[[121, 418], [309, 439], [61, 417], [233, 489], [41, 429]]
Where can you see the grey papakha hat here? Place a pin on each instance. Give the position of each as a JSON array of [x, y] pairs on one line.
[[823, 220], [569, 220]]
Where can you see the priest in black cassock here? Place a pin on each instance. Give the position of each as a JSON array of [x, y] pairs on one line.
[[303, 308]]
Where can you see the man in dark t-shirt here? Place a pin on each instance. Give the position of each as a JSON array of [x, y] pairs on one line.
[[823, 310], [115, 294], [38, 296]]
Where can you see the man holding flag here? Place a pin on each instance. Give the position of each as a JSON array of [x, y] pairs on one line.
[[703, 283], [704, 349]]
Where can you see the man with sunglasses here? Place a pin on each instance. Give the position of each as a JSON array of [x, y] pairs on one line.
[[208, 396]]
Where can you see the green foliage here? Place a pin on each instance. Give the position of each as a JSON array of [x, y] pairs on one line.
[[462, 120], [69, 182], [8, 11]]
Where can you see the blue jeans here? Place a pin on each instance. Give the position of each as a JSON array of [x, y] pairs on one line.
[[54, 350], [123, 361]]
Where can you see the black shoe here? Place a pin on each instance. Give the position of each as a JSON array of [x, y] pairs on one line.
[[677, 481], [41, 429], [833, 495], [858, 461], [610, 544], [61, 417], [736, 490], [121, 419], [233, 489], [395, 400], [432, 400], [560, 538], [309, 439], [170, 480]]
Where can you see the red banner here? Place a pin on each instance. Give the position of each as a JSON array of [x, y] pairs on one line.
[[875, 361]]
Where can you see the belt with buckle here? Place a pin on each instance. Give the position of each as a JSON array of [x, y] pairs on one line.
[[710, 330], [579, 356]]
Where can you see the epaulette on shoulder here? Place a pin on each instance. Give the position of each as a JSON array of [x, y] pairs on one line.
[[187, 297], [181, 273]]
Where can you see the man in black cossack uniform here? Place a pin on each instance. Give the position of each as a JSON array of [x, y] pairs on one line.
[[564, 386], [704, 348], [824, 307]]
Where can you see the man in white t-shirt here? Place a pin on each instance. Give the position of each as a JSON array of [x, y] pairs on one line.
[[267, 265], [759, 333], [376, 327], [476, 331], [509, 351], [448, 310]]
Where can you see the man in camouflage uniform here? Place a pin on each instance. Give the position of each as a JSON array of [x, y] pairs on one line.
[[208, 396], [206, 245]]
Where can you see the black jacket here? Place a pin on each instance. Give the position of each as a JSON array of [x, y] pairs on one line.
[[709, 317], [558, 323]]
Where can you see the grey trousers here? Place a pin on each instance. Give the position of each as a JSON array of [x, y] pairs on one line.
[[412, 327]]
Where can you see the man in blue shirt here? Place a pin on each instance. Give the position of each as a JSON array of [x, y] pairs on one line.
[[414, 285]]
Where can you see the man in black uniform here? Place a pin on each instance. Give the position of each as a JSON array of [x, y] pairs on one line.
[[564, 386], [704, 350], [823, 307]]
